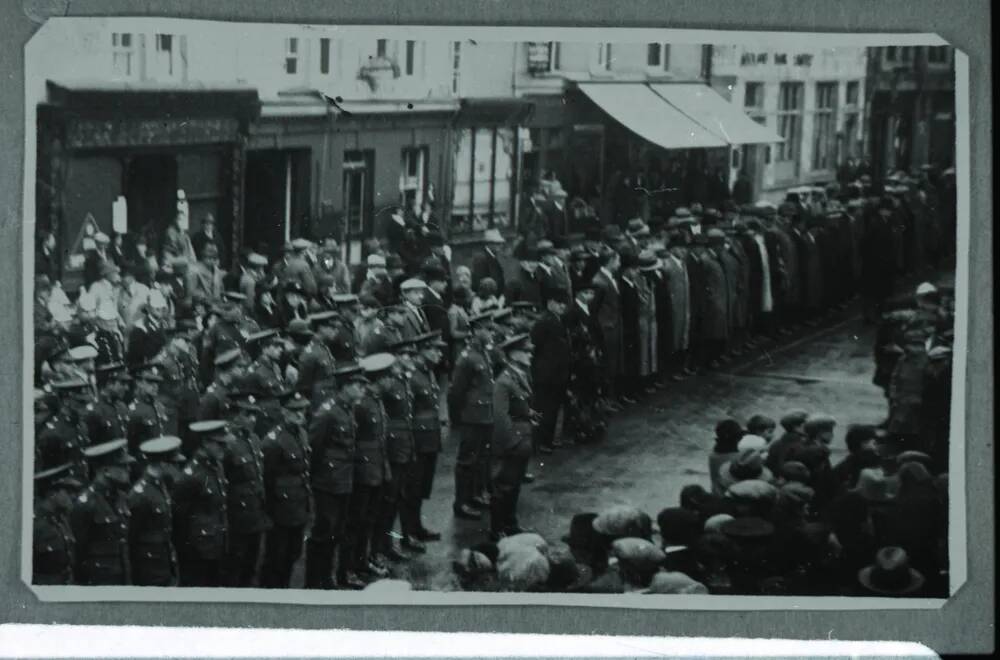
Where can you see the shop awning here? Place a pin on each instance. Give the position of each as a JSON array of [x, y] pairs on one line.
[[648, 115], [295, 104], [96, 98], [705, 106]]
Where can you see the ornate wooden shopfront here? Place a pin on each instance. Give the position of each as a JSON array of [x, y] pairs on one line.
[[144, 144]]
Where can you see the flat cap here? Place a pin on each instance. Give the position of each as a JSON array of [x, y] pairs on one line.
[[377, 363]]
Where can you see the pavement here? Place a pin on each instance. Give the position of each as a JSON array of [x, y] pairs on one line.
[[661, 444]]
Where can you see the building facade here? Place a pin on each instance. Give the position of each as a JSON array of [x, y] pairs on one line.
[[912, 109], [813, 98]]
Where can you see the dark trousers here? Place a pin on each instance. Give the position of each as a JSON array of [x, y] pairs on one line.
[[241, 559], [326, 535], [419, 488], [508, 474], [360, 524], [548, 398], [282, 549], [472, 461], [198, 572], [389, 506]]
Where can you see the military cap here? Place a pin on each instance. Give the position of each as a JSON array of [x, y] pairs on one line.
[[262, 336], [521, 342], [163, 446], [637, 227], [70, 384], [524, 306], [149, 372], [111, 368], [323, 318], [58, 475], [345, 299], [257, 260], [715, 234], [369, 301], [292, 286], [347, 372], [299, 329], [227, 357], [82, 353], [208, 427], [300, 244], [249, 399], [545, 247], [108, 453], [502, 315], [403, 346], [294, 400], [377, 363], [480, 319], [747, 528], [412, 284], [430, 340], [234, 296]]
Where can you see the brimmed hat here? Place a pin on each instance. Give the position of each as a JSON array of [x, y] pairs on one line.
[[637, 554], [818, 423], [715, 523], [376, 364], [257, 260], [114, 452], [150, 373], [412, 284], [519, 342], [227, 357], [493, 236], [891, 573], [914, 456], [648, 261], [874, 486], [750, 441], [300, 244], [749, 464], [345, 299], [582, 534], [679, 526], [82, 353], [293, 400], [163, 448], [674, 583], [481, 319], [60, 475], [522, 568], [637, 227], [795, 471], [796, 492], [318, 319], [209, 428], [375, 261]]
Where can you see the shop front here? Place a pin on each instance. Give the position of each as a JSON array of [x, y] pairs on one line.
[[139, 149]]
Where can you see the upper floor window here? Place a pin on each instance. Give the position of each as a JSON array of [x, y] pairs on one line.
[[381, 47], [891, 54], [167, 58], [555, 55], [124, 60], [324, 55], [456, 65], [753, 101], [937, 54], [291, 55], [410, 58], [658, 56], [852, 92], [604, 56]]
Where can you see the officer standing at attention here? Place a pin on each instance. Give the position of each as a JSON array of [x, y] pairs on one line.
[[390, 333], [63, 437], [426, 437], [215, 403], [265, 375], [317, 362], [514, 420], [470, 404], [200, 521], [371, 471], [243, 464], [334, 446], [151, 542], [100, 518], [107, 416], [344, 345], [393, 386], [146, 414], [286, 481], [53, 547]]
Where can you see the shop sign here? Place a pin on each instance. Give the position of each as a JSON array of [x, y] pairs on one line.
[[90, 133]]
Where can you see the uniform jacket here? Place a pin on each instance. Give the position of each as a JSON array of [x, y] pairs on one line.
[[106, 420], [244, 469], [525, 288], [316, 365], [333, 448], [371, 463], [607, 309], [415, 323], [381, 338], [62, 440], [470, 398], [145, 422], [512, 414], [551, 363], [200, 511], [151, 545], [53, 545], [146, 339], [286, 459], [100, 524], [344, 343], [214, 403], [426, 424], [363, 331], [265, 378], [180, 388], [397, 399], [297, 269]]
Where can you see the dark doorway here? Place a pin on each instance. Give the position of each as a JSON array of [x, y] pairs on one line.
[[277, 189], [151, 191]]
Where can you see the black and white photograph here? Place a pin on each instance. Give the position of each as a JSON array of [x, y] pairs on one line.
[[386, 310]]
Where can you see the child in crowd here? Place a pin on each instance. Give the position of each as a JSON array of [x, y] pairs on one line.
[[728, 433]]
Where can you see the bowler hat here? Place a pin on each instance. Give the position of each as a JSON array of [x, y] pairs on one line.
[[623, 520], [630, 259], [891, 573], [873, 486]]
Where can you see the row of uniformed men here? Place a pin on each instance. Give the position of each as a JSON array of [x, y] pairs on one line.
[[369, 456]]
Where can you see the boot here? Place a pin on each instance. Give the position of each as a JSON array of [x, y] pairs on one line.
[[319, 564]]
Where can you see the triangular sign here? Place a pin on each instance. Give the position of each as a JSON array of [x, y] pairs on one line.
[[75, 256]]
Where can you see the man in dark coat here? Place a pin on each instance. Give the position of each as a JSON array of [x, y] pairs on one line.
[[487, 264], [606, 308], [630, 309], [877, 273], [550, 368]]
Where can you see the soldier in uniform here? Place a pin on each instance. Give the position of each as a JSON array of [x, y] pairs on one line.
[[179, 367], [397, 399], [367, 323], [345, 345], [317, 363], [53, 546], [391, 332], [371, 471], [214, 403], [287, 488], [426, 437], [265, 375], [64, 435], [514, 420], [333, 449], [200, 511], [243, 464], [224, 336], [146, 415], [151, 543], [100, 518], [470, 405], [106, 416]]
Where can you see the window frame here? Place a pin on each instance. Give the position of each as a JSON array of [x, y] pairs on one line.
[[824, 147], [129, 53], [790, 150], [409, 68], [325, 55], [292, 54], [662, 57], [555, 56], [604, 56]]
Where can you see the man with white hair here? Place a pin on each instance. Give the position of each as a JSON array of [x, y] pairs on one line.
[[148, 335], [377, 282]]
